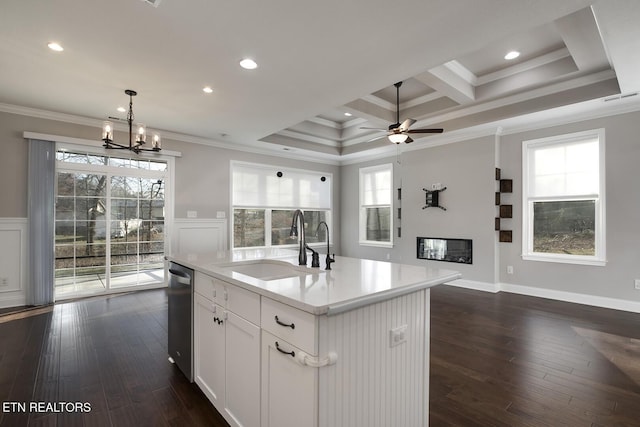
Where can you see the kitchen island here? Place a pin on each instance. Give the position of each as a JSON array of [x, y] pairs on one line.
[[277, 344]]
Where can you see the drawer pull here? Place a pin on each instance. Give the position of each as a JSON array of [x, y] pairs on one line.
[[290, 353], [288, 325]]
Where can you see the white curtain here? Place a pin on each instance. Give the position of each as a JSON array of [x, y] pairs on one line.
[[41, 205]]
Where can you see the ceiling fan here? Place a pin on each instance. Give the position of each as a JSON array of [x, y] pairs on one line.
[[399, 132]]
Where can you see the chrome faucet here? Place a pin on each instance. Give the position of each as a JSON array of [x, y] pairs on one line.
[[329, 259], [298, 216]]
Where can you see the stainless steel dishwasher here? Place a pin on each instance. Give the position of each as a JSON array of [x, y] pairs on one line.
[[181, 318]]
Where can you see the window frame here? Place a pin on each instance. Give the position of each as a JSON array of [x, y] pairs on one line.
[[599, 258], [362, 208], [269, 209]]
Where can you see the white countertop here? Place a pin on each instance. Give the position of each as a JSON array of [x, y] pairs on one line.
[[350, 283]]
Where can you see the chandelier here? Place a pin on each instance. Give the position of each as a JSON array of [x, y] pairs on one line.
[[135, 144]]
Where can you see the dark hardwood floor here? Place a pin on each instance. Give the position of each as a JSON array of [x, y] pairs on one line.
[[511, 360], [496, 360], [110, 352]]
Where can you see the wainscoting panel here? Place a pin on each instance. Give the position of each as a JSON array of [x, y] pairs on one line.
[[354, 392], [199, 235], [13, 261]]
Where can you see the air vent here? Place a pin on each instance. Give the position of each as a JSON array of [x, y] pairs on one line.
[[153, 3]]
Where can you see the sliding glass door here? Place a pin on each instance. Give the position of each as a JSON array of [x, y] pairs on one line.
[[110, 223]]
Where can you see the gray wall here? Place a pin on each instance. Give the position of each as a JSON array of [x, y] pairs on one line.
[[616, 279], [201, 174], [467, 170], [14, 157]]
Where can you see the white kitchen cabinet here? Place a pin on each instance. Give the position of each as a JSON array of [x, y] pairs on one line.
[[242, 348], [346, 349], [227, 349], [289, 389], [209, 351]]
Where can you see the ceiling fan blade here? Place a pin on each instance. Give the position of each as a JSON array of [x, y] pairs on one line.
[[406, 124], [409, 139], [425, 131], [376, 138]]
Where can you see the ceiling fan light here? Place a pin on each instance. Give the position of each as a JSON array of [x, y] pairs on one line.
[[397, 138]]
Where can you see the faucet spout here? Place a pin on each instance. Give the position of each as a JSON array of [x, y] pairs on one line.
[[298, 217], [329, 259]]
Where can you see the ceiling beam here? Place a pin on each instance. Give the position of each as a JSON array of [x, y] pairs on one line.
[[451, 80], [618, 23], [375, 114], [580, 34]]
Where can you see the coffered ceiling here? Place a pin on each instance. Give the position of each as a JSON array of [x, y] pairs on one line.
[[316, 62]]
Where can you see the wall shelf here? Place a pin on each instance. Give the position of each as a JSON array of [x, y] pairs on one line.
[[504, 211]]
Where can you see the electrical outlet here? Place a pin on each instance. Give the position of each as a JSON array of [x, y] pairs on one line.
[[4, 281], [509, 269], [397, 335], [637, 283], [192, 214]]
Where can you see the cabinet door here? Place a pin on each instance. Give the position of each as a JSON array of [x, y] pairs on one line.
[[242, 399], [209, 348], [289, 390]]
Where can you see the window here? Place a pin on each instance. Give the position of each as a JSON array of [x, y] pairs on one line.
[[563, 198], [376, 221], [109, 222], [264, 199]]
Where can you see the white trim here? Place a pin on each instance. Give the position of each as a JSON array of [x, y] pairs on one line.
[[560, 116], [553, 294], [475, 285], [16, 295], [184, 242], [362, 241], [600, 257], [593, 300]]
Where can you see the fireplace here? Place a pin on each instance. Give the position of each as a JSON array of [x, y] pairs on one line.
[[442, 249]]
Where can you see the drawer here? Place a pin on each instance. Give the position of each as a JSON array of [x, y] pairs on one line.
[[290, 324], [242, 302], [207, 286]]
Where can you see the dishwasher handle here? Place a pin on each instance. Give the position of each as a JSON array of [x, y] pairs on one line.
[[180, 277]]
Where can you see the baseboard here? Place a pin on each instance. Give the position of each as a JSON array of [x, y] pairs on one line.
[[13, 301], [472, 284], [593, 300]]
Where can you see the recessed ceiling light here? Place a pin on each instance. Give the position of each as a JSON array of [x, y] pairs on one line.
[[512, 55], [348, 114], [55, 47], [248, 64], [207, 89], [121, 109]]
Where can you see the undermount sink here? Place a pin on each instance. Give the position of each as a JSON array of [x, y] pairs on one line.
[[270, 269]]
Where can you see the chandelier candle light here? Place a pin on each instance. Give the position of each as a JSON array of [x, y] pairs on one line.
[[140, 133]]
